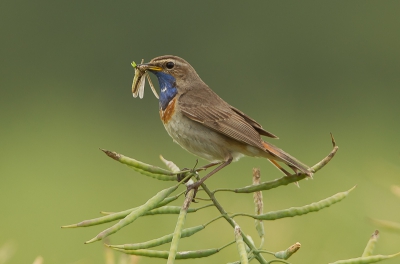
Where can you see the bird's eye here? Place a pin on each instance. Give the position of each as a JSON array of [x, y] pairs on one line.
[[170, 65]]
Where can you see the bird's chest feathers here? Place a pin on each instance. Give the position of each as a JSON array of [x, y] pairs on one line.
[[168, 89], [169, 111]]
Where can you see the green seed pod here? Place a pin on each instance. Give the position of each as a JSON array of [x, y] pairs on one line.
[[285, 180], [169, 210], [270, 184], [260, 228], [328, 158], [240, 246], [296, 211], [141, 210], [285, 254], [259, 205], [160, 241], [164, 202], [156, 176], [172, 166], [113, 216], [143, 168], [164, 254], [369, 249], [179, 227], [366, 260]]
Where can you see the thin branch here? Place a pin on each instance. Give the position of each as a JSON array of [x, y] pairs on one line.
[[224, 214], [285, 180]]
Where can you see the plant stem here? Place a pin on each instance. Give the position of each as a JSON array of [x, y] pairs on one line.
[[224, 214]]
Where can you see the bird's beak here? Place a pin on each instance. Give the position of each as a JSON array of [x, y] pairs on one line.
[[148, 67]]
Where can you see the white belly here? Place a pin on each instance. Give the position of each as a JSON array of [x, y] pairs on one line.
[[205, 142]]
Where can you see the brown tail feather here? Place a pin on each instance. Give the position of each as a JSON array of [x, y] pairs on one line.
[[286, 158]]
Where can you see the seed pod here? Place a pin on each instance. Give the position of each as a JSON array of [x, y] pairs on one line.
[[264, 186], [160, 241], [141, 210], [285, 254], [179, 255], [126, 212], [369, 249], [169, 210], [172, 166], [286, 180], [179, 227], [259, 205], [113, 216], [366, 260], [143, 168], [296, 211], [240, 246]]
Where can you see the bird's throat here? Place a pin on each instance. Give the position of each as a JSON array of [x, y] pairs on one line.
[[167, 88]]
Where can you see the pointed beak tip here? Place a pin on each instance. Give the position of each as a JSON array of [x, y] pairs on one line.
[[148, 67]]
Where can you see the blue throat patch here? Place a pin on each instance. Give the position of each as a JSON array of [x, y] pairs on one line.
[[167, 88]]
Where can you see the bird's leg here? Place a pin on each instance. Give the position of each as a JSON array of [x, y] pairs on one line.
[[221, 166], [208, 166]]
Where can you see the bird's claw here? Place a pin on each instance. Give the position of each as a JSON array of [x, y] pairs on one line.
[[195, 187], [181, 176]]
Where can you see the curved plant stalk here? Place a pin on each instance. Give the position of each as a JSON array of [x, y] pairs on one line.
[[296, 211], [285, 180]]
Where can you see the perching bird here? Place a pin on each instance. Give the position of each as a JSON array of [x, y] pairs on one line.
[[207, 126]]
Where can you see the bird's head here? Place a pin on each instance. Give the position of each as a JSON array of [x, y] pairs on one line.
[[172, 71], [175, 75]]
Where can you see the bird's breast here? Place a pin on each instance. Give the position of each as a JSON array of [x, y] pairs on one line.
[[169, 111]]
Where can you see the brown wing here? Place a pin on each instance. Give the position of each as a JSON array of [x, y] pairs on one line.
[[254, 123], [206, 107]]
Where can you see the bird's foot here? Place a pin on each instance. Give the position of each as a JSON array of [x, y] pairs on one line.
[[181, 176], [194, 186]]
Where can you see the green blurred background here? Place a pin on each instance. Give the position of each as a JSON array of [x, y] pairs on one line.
[[302, 69]]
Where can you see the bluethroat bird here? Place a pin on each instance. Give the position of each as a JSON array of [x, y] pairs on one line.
[[204, 124]]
